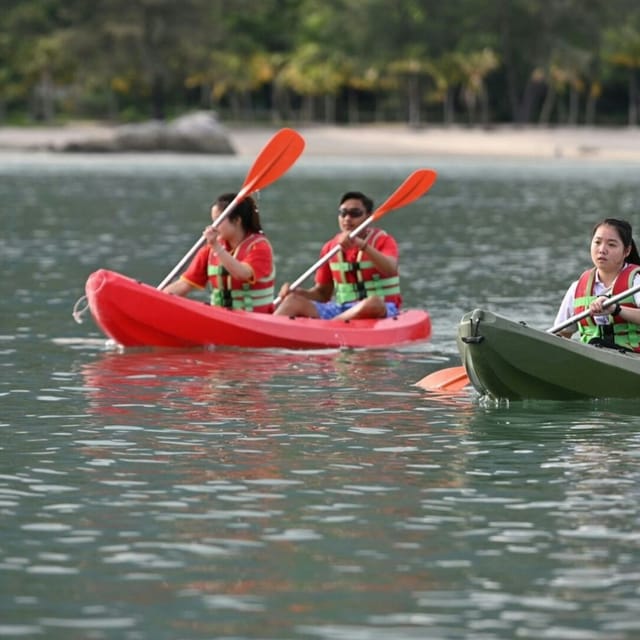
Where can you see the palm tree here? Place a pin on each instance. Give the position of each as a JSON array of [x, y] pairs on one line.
[[412, 72], [448, 76], [476, 66], [313, 72], [567, 70], [622, 46], [360, 78]]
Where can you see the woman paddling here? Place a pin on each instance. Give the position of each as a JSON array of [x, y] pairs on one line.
[[236, 261], [616, 268]]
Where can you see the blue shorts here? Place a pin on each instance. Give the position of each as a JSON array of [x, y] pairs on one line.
[[329, 310]]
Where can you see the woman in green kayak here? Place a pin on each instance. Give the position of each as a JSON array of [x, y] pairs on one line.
[[616, 268]]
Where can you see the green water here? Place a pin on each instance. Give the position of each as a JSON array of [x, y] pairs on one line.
[[248, 494]]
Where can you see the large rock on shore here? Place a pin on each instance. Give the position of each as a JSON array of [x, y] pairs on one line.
[[199, 132]]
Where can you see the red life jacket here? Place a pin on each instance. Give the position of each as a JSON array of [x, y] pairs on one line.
[[237, 294], [625, 334]]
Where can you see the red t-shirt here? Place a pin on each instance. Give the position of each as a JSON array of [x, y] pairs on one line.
[[259, 258]]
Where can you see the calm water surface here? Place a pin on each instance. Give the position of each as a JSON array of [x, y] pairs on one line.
[[266, 494]]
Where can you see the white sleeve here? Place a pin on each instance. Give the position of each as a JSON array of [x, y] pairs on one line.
[[636, 295], [566, 307]]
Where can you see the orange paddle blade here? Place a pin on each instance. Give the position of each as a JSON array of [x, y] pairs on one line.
[[451, 379], [416, 185], [274, 160]]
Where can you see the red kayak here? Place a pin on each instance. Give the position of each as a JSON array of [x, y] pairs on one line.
[[135, 314]]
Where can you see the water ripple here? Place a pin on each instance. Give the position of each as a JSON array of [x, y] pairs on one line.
[[247, 494]]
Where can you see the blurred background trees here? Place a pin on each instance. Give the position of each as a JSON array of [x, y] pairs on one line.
[[472, 62]]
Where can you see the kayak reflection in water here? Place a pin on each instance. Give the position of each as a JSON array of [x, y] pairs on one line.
[[236, 261], [616, 269], [363, 274]]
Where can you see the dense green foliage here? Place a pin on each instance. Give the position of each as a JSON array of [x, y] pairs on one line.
[[468, 61]]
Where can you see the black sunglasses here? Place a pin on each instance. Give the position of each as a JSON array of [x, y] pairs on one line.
[[352, 213]]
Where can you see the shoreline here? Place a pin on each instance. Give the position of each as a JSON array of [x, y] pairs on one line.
[[580, 143], [393, 140]]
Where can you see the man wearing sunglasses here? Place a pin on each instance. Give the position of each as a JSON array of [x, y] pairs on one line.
[[363, 274]]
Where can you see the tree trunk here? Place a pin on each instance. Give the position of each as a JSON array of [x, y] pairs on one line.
[[235, 106], [378, 111], [112, 105], [47, 111], [633, 98], [526, 106], [414, 101], [247, 106], [307, 109], [508, 57], [352, 108], [547, 106], [276, 104], [574, 105], [484, 106], [469, 102], [561, 111], [158, 97], [590, 108], [205, 95], [329, 109], [449, 107]]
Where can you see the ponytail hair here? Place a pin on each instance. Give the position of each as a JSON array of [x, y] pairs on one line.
[[246, 210], [626, 235]]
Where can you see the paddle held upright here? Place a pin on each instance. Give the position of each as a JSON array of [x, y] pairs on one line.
[[275, 159], [416, 185]]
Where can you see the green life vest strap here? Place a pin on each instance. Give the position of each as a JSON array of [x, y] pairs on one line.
[[246, 299], [352, 291]]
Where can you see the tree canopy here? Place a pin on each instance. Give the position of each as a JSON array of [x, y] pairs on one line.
[[417, 61]]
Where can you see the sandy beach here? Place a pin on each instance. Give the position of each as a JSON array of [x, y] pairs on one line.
[[587, 143], [508, 142]]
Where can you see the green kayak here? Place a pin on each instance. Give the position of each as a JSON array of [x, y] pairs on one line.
[[509, 360]]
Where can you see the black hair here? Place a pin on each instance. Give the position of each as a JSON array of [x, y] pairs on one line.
[[246, 210], [626, 235], [358, 195]]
